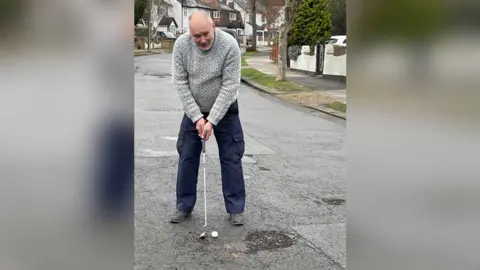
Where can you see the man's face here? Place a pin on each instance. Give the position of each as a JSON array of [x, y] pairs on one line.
[[203, 35]]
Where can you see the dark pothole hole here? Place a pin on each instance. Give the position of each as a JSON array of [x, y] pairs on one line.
[[331, 201], [160, 75], [268, 240]]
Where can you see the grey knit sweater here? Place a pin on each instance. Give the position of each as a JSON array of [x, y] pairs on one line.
[[207, 81]]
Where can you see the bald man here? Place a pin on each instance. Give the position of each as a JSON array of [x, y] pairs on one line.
[[206, 76]]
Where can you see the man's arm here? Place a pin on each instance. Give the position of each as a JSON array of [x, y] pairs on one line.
[[230, 84], [180, 82]]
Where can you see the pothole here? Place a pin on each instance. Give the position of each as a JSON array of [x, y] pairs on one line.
[[268, 240], [160, 75], [332, 200]]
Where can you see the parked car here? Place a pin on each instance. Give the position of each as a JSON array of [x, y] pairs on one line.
[[233, 33], [163, 35], [341, 39]]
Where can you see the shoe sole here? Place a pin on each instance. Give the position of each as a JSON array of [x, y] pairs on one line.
[[237, 223], [179, 221]]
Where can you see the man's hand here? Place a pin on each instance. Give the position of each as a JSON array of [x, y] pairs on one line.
[[207, 131], [199, 126]]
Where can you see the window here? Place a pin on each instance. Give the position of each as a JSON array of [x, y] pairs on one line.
[[232, 16], [332, 41], [263, 18], [248, 18], [185, 12], [216, 14]]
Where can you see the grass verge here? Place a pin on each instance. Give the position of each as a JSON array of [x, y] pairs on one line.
[[317, 99], [244, 63], [338, 106], [270, 81], [247, 54]]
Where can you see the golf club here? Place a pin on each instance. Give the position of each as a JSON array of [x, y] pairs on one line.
[[204, 234]]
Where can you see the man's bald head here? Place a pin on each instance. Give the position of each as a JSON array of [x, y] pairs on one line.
[[202, 29], [200, 17]]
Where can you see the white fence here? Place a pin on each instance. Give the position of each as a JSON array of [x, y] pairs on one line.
[[333, 63], [305, 61]]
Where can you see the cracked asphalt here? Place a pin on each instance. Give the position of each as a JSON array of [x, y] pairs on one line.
[[295, 157]]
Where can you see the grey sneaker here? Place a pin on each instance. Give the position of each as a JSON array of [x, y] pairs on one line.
[[179, 216], [237, 219]]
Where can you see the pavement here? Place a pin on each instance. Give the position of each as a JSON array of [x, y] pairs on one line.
[[294, 162], [262, 62]]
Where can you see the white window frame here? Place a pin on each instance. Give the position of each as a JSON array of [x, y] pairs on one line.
[[232, 16], [216, 14]]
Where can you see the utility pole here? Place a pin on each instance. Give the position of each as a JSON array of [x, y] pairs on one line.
[[149, 23]]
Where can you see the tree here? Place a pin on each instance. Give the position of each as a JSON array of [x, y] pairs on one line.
[[272, 12], [139, 9], [253, 7], [312, 24], [253, 13], [290, 8], [338, 8]]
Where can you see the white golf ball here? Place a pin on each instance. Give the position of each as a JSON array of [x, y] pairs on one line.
[[214, 234]]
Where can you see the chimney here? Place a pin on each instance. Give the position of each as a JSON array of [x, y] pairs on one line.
[[231, 4]]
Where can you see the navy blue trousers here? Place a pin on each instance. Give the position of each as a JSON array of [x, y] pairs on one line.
[[231, 145]]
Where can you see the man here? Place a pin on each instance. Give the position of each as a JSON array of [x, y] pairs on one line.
[[206, 75]]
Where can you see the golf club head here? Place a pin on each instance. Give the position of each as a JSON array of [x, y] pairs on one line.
[[203, 235]]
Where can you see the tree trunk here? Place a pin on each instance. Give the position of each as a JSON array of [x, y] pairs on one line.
[[149, 23], [282, 44], [282, 57], [254, 24]]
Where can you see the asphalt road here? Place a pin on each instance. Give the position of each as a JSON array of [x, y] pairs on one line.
[[295, 159]]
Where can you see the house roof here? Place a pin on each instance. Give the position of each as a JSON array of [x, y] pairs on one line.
[[224, 6], [207, 4], [242, 3], [166, 21]]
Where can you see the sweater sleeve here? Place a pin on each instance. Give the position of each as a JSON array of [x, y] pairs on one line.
[[230, 83], [181, 84]]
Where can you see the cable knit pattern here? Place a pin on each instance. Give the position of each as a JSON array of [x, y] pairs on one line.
[[207, 81]]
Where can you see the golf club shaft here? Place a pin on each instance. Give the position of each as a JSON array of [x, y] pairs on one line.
[[204, 180]]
